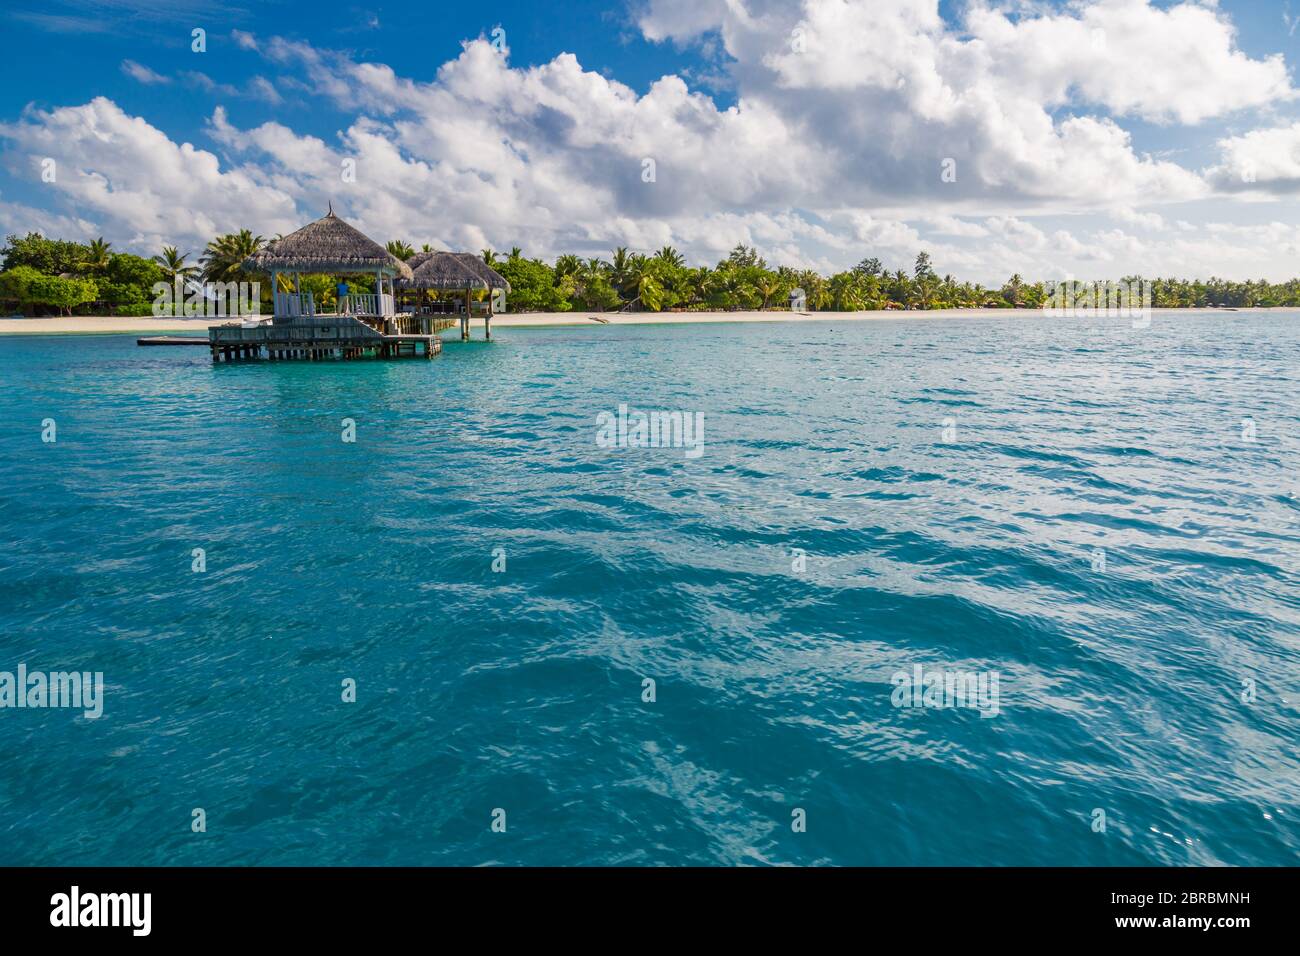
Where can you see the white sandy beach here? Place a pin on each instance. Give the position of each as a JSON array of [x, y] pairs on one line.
[[89, 324]]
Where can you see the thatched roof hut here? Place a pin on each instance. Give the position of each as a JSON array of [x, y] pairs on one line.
[[440, 270], [494, 279], [327, 245], [451, 271]]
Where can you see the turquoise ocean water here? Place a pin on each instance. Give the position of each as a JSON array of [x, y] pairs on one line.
[[1106, 518]]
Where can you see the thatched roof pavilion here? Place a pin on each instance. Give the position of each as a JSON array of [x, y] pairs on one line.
[[456, 272], [443, 271], [494, 279], [329, 245]]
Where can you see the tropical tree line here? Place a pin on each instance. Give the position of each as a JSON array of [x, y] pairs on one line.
[[744, 281], [40, 275]]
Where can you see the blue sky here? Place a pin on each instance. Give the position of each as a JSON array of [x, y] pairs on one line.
[[1088, 138], [75, 49]]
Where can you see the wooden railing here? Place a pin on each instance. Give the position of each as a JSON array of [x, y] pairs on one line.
[[294, 304], [367, 304], [408, 324], [326, 329], [404, 323]]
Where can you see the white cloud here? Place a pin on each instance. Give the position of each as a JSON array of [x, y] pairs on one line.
[[1263, 160], [138, 186], [19, 218], [143, 74], [828, 155], [1132, 57], [259, 87], [1143, 220], [1165, 64], [952, 226]]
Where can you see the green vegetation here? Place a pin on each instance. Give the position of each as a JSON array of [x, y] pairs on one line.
[[63, 293], [173, 265], [39, 275], [16, 286], [744, 281], [534, 285], [401, 250], [223, 258], [51, 275]]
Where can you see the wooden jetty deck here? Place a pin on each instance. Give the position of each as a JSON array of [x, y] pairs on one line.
[[318, 337], [171, 340]]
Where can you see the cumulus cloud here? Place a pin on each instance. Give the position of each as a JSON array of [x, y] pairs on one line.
[[19, 218], [1172, 64], [1260, 161], [136, 182], [776, 148]]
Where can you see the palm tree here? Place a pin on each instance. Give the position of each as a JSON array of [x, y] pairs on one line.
[[899, 288], [844, 292], [173, 266], [223, 259], [815, 294], [643, 281], [671, 257], [620, 269], [588, 273], [588, 280], [699, 284], [649, 292], [873, 297], [98, 256], [401, 250], [926, 295], [567, 265]]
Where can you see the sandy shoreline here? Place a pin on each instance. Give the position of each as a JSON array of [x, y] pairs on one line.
[[84, 325]]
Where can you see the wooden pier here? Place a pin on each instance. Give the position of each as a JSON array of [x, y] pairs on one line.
[[365, 323], [171, 340], [321, 337]]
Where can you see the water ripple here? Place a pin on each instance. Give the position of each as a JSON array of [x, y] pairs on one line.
[[1072, 505]]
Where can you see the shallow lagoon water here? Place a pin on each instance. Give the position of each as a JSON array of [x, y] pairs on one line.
[[975, 549]]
